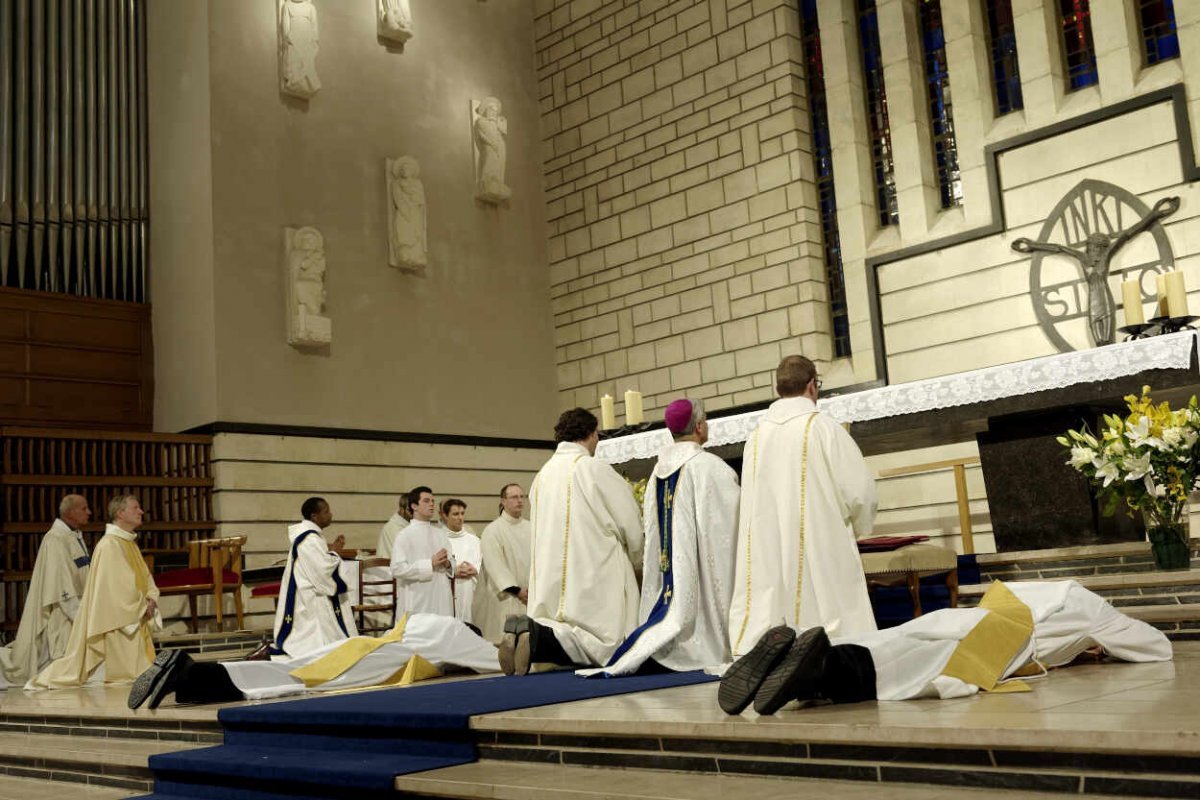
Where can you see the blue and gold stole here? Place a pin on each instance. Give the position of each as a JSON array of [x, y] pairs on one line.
[[664, 489]]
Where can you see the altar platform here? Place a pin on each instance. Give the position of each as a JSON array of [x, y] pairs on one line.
[[1108, 729]]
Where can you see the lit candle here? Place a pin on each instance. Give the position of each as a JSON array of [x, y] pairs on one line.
[[1176, 294], [1160, 289], [608, 417], [1131, 291], [633, 407]]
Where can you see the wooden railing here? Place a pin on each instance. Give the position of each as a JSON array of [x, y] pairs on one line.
[[960, 490], [170, 474]]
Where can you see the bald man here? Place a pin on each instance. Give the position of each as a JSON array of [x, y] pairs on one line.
[[59, 575]]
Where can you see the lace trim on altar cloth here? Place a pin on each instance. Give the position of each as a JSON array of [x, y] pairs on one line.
[[1173, 351]]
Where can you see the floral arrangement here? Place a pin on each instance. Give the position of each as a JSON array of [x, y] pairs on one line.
[[1149, 459]]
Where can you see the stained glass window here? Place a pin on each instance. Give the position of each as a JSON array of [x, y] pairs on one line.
[[1159, 39], [877, 114], [1078, 47], [1002, 45], [941, 117]]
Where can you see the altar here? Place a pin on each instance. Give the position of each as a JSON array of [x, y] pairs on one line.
[[1013, 412]]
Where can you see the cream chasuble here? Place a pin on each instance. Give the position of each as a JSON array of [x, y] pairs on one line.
[[387, 535], [956, 652], [505, 546], [465, 548], [314, 605], [108, 629], [687, 575], [59, 575], [806, 494], [420, 590], [587, 537]]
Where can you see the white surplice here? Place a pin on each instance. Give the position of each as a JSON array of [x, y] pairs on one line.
[[465, 549], [110, 631], [693, 632], [440, 640], [55, 588], [587, 537], [1067, 620], [806, 494], [506, 547], [314, 602], [419, 589], [387, 535]]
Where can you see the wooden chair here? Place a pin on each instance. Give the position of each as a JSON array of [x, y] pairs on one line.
[[214, 568], [369, 603]]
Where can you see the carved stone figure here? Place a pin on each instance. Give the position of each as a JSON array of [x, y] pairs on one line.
[[305, 261], [491, 151], [1095, 258], [298, 46], [407, 223], [395, 20]]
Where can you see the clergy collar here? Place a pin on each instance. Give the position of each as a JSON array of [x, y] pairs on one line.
[[120, 533], [674, 456], [456, 534], [61, 525], [570, 448], [786, 408], [509, 518], [294, 531]]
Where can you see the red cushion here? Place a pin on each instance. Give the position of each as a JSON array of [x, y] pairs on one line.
[[266, 590], [195, 576]]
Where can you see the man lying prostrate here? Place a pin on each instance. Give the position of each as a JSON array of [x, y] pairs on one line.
[[1018, 630], [418, 648]]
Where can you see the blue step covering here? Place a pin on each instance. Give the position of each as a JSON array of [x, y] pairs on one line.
[[357, 744]]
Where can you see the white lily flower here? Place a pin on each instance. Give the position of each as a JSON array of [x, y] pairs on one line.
[[1107, 470], [1136, 468], [1082, 456]]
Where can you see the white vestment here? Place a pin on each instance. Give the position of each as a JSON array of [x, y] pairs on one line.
[[440, 640], [387, 535], [806, 494], [465, 548], [587, 539], [314, 602], [687, 628], [419, 589], [59, 575], [505, 545], [1067, 620]]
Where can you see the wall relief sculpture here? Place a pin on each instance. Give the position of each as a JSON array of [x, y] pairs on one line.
[[1071, 264], [490, 132], [298, 46], [407, 220], [394, 20], [304, 258]]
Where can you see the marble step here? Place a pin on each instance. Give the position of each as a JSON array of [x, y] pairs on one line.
[[1077, 553], [119, 763], [1117, 581], [504, 780], [14, 788]]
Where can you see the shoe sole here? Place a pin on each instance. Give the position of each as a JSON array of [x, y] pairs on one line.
[[149, 681], [521, 654], [797, 675], [742, 680], [508, 645]]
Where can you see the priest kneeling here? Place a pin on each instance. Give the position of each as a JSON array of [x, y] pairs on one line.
[[690, 514], [110, 640], [587, 537]]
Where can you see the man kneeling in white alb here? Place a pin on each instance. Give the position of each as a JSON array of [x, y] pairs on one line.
[[1018, 630]]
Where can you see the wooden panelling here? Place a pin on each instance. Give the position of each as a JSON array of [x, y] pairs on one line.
[[74, 362]]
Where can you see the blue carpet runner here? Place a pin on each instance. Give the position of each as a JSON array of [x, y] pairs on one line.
[[354, 745]]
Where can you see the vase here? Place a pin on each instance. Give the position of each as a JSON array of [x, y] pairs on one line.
[[1169, 543]]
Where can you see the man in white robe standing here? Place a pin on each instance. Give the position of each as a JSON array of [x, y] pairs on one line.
[[387, 534], [467, 554], [503, 588], [1018, 630], [806, 495], [690, 517], [55, 588], [587, 539], [111, 635], [314, 603], [421, 562]]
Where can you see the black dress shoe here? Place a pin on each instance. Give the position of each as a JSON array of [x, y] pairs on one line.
[[261, 653], [797, 675], [159, 679], [740, 682]]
